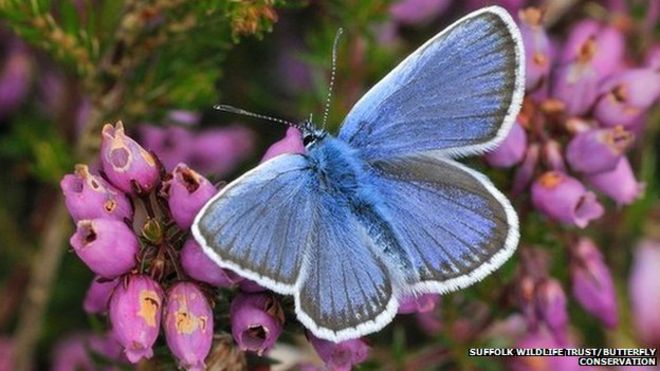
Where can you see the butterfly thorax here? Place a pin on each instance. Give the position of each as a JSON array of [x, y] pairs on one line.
[[340, 170], [344, 177]]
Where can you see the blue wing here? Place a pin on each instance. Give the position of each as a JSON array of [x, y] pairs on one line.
[[260, 225], [458, 94], [347, 289], [456, 226], [274, 226]]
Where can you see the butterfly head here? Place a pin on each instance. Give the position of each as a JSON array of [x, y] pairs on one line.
[[310, 133]]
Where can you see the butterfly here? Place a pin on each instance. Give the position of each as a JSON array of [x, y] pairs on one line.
[[383, 210]]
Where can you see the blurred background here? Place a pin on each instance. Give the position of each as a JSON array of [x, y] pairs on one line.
[[580, 165]]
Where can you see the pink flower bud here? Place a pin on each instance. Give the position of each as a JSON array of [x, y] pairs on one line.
[[552, 155], [218, 151], [188, 325], [619, 184], [15, 76], [250, 286], [70, 353], [538, 53], [644, 289], [525, 291], [525, 172], [6, 354], [340, 356], [512, 326], [592, 52], [172, 144], [627, 95], [199, 266], [88, 196], [565, 199], [106, 346], [416, 12], [592, 282], [78, 351], [577, 125], [215, 151], [98, 295], [598, 150], [418, 304], [256, 321], [511, 151], [429, 322], [184, 117], [125, 162], [576, 82], [187, 193], [511, 6], [108, 247], [607, 44], [540, 338], [652, 59], [551, 306], [291, 143], [135, 312]]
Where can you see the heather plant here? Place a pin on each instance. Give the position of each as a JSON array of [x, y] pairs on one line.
[[111, 148]]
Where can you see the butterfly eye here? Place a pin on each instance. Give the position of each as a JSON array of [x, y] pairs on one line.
[[307, 139]]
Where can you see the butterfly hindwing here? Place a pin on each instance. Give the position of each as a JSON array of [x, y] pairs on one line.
[[260, 224], [347, 287], [454, 223], [456, 95]]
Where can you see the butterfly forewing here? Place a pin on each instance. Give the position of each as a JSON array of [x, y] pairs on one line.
[[456, 95], [260, 225]]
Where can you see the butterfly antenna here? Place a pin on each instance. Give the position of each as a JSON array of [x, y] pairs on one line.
[[332, 76], [239, 111]]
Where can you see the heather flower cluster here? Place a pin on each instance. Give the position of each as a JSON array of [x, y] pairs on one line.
[[129, 218], [541, 298], [585, 104], [132, 230]]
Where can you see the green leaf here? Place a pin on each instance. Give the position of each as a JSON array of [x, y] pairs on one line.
[[37, 145]]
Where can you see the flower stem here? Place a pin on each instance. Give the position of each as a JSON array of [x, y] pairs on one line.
[[44, 268]]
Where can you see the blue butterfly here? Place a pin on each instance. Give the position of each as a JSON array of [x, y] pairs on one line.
[[382, 210]]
